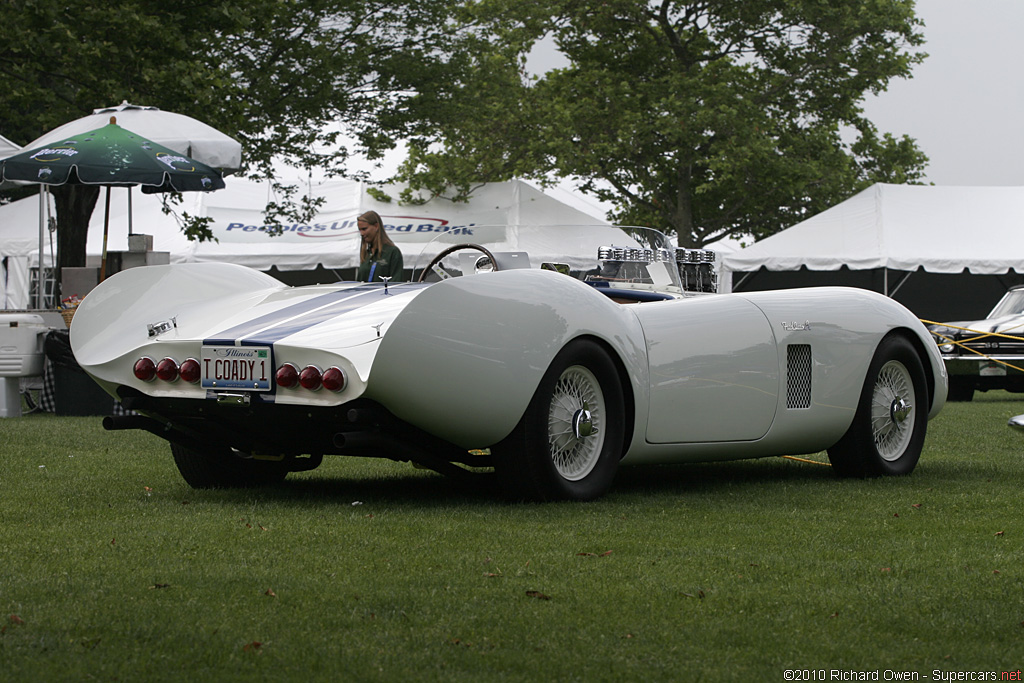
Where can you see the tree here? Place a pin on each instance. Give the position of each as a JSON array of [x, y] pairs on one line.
[[702, 118], [285, 77]]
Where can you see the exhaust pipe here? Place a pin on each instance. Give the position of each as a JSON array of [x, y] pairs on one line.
[[113, 423]]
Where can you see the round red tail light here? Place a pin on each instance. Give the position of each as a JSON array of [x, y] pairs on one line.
[[287, 376], [310, 377], [190, 370], [144, 369], [167, 370], [334, 379]]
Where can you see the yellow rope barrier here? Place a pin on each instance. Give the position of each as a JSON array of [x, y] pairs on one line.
[[981, 335], [813, 462], [948, 340]]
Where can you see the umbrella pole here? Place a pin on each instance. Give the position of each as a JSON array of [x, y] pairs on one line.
[[106, 226], [42, 227]]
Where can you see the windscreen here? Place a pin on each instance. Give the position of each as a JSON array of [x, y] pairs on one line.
[[624, 257]]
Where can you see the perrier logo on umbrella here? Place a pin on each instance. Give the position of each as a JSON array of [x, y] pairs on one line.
[[177, 162], [54, 153]]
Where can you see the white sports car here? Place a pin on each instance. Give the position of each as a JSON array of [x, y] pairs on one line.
[[553, 372]]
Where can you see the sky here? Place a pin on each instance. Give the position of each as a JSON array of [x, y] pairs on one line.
[[963, 104]]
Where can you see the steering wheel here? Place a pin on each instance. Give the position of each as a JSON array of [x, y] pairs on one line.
[[434, 265]]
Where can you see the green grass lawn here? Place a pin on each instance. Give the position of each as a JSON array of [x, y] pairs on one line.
[[111, 568]]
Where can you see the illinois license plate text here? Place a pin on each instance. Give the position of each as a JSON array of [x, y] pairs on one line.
[[233, 367]]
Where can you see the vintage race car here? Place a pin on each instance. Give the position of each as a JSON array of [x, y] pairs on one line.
[[981, 355], [550, 372]]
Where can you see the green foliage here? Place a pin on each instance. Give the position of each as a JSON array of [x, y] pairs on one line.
[[285, 78], [193, 227], [702, 119], [371, 570], [378, 194]]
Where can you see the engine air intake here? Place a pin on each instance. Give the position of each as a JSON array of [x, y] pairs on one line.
[[798, 376]]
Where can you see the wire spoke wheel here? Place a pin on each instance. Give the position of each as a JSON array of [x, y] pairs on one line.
[[569, 441], [575, 423], [891, 406], [889, 427]]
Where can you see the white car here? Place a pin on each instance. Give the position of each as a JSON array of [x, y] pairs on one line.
[[553, 372]]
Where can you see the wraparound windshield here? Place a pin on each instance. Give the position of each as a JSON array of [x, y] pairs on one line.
[[621, 257], [1012, 303]]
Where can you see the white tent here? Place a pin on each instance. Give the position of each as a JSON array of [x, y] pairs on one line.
[[331, 239], [894, 231], [19, 237], [902, 227], [19, 241], [7, 148]]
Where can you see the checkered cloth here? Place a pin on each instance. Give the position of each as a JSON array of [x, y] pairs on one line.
[[47, 396]]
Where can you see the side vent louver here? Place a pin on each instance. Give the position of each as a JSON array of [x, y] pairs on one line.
[[798, 376]]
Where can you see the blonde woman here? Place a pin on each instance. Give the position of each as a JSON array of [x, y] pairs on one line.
[[378, 255]]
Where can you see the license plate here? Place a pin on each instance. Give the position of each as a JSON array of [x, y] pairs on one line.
[[992, 370], [236, 367]]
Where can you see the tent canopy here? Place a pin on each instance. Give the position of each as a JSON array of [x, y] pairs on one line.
[[7, 148], [901, 227], [330, 240]]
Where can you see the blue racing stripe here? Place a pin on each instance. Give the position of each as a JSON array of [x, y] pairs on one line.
[[272, 327], [277, 333], [249, 327]]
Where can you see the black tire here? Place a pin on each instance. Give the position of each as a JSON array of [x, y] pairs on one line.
[[223, 469], [961, 390], [543, 458], [889, 426]]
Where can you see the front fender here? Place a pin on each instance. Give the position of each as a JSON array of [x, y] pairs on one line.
[[464, 359], [850, 324]]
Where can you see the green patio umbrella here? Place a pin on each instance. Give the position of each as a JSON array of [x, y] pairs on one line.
[[113, 157]]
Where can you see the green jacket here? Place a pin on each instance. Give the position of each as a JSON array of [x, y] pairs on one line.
[[388, 264]]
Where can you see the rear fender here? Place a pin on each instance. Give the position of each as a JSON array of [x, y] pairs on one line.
[[112, 321], [464, 359]]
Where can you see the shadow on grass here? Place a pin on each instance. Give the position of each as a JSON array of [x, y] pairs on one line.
[[709, 477], [996, 396], [401, 484]]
